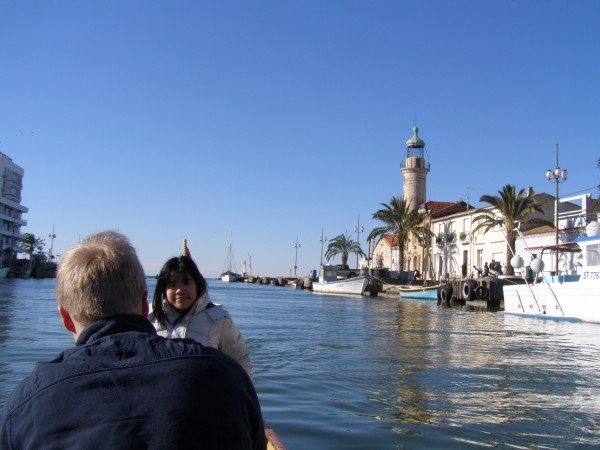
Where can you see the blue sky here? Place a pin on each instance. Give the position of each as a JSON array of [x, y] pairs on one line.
[[269, 120]]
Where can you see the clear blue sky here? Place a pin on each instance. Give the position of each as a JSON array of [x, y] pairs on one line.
[[268, 120]]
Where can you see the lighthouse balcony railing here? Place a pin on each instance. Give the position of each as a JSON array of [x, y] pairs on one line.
[[414, 162]]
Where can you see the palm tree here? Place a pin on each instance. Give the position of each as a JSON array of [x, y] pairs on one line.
[[30, 243], [343, 245], [399, 220], [513, 207]]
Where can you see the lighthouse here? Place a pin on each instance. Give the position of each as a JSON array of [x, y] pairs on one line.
[[415, 169]]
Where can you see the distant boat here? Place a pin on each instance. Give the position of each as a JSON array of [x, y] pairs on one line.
[[329, 284], [4, 272], [42, 267], [230, 277], [229, 274]]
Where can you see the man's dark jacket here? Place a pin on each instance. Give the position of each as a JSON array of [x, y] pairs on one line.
[[124, 387]]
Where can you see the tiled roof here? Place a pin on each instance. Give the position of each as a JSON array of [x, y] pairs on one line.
[[441, 209], [391, 239], [436, 207]]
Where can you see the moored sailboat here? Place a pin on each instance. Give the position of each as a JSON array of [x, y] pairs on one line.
[[229, 274]]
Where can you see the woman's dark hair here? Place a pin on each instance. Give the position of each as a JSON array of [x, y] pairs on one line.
[[184, 266]]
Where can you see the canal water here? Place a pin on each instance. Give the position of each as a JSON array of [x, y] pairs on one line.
[[338, 372]]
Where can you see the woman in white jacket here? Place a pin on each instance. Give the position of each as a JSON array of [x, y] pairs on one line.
[[181, 308]]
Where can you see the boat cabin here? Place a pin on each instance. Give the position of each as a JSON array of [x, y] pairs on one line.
[[590, 269], [327, 273]]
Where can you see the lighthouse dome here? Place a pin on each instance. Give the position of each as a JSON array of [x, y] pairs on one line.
[[415, 141]]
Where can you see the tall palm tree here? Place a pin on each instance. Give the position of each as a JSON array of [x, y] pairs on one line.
[[513, 207], [399, 220], [30, 243], [343, 245]]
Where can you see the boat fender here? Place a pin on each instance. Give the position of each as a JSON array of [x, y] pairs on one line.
[[217, 314], [446, 293], [468, 291], [482, 292]]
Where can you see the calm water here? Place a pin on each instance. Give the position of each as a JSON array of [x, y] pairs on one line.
[[336, 372]]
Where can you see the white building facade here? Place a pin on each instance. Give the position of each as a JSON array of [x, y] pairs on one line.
[[574, 214], [11, 210]]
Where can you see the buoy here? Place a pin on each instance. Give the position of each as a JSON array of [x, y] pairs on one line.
[[592, 228], [516, 261], [537, 265]]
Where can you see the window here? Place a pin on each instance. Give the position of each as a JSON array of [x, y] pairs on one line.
[[466, 224], [592, 255]]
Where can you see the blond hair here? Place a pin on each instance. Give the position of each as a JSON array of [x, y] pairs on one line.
[[100, 277]]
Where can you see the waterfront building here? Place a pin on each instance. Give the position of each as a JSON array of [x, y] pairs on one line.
[[417, 257], [11, 210], [454, 250], [385, 253], [574, 214]]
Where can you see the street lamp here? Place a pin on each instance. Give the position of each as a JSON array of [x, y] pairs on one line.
[[296, 246], [426, 214], [556, 176], [358, 229], [51, 236], [322, 239]]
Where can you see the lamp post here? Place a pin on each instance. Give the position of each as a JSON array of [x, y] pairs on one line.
[[426, 214], [322, 239], [556, 176], [358, 229], [51, 236], [296, 246]]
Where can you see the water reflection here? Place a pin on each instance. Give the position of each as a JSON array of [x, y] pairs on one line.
[[461, 368], [7, 299]]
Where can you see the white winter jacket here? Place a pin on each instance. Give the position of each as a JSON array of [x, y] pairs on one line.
[[207, 323]]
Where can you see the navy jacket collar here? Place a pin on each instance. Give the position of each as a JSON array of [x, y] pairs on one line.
[[121, 323]]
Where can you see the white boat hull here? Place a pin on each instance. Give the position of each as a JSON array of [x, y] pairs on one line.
[[568, 300], [352, 286], [230, 278], [570, 296]]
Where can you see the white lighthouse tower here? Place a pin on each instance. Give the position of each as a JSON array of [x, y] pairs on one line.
[[415, 169]]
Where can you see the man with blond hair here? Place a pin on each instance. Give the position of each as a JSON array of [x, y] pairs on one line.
[[122, 386]]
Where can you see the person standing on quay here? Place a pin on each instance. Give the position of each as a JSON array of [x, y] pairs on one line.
[[122, 386]]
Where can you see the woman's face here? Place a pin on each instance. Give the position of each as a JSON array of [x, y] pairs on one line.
[[181, 291]]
